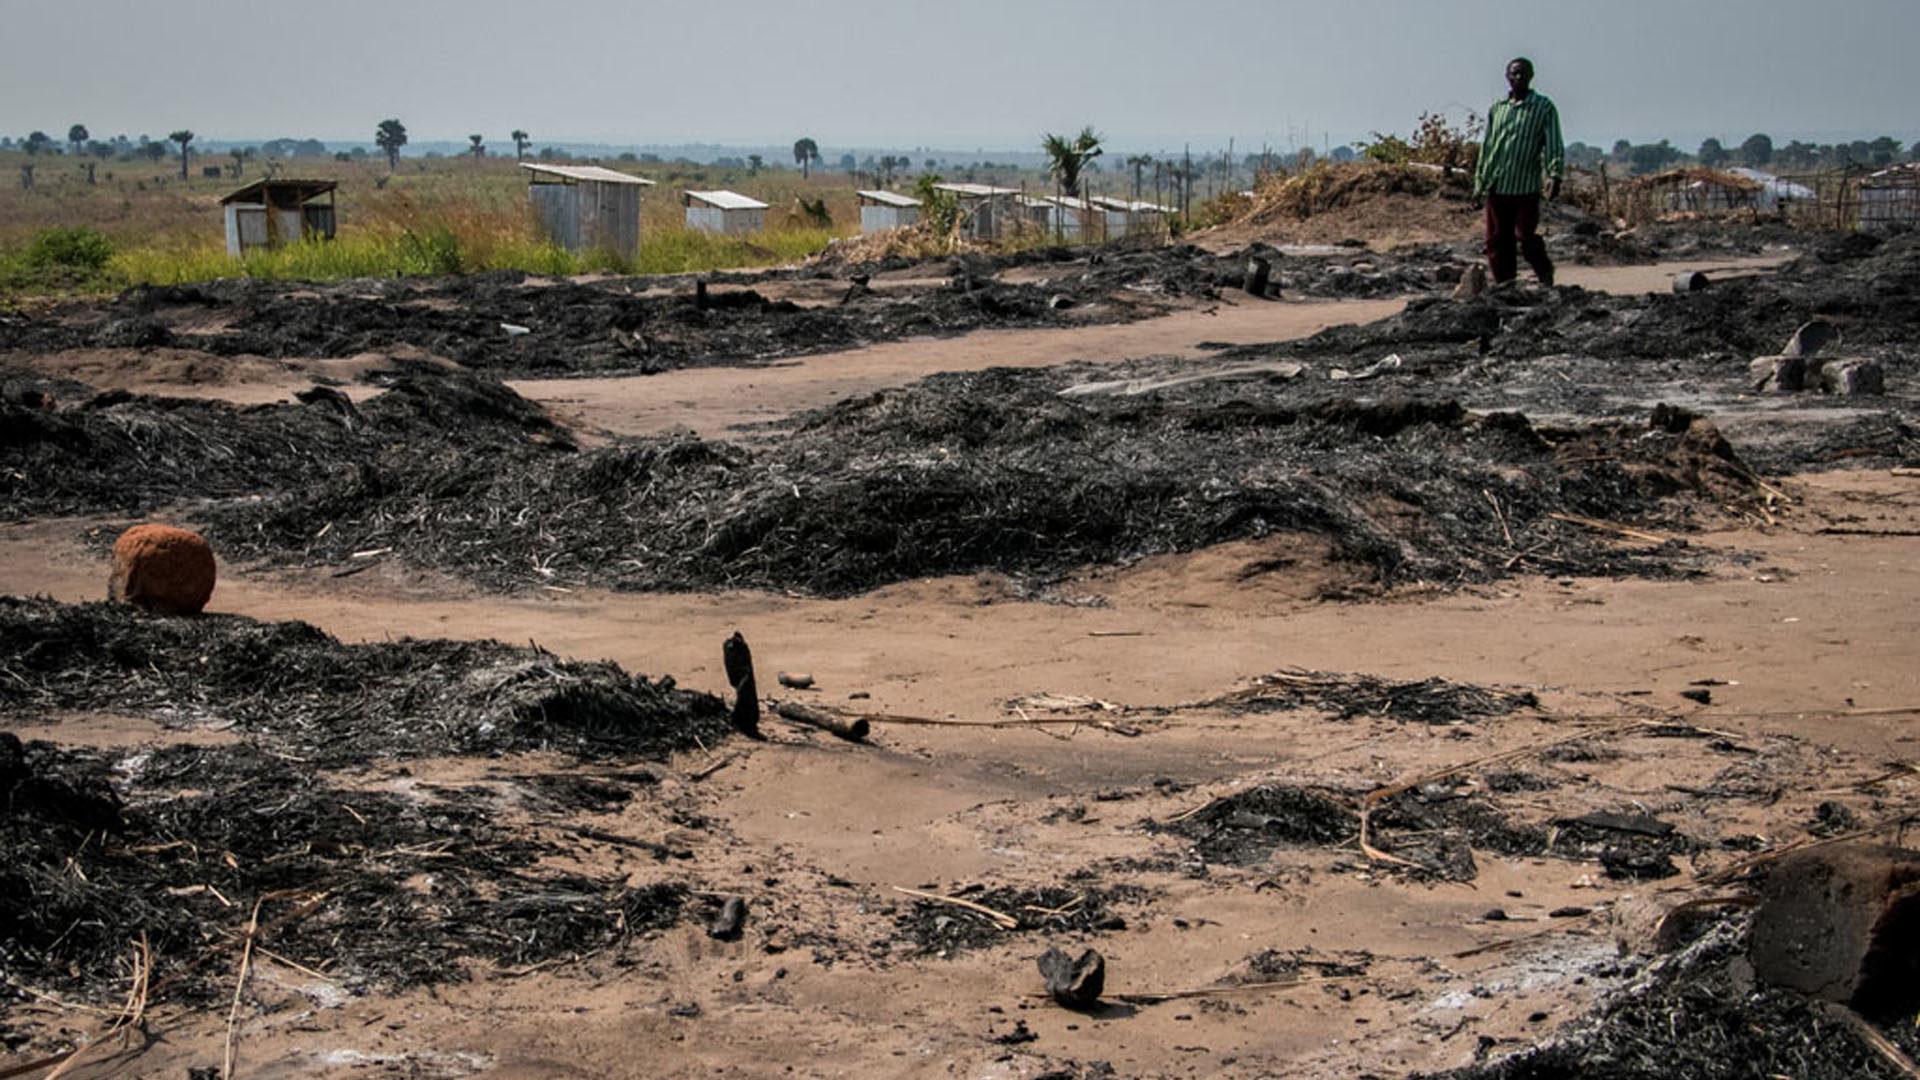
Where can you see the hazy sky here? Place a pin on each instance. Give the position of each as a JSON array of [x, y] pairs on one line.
[[957, 75]]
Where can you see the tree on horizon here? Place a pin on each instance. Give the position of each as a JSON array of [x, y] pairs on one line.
[[183, 137], [77, 135], [479, 148], [390, 136], [521, 140], [805, 153]]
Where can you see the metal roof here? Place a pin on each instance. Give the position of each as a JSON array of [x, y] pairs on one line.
[[977, 191], [585, 172], [725, 200], [889, 198], [1130, 205], [283, 190]]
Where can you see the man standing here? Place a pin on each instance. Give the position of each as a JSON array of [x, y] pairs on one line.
[[1523, 141]]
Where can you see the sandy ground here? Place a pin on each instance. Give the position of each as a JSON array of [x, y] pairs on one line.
[[1811, 632]]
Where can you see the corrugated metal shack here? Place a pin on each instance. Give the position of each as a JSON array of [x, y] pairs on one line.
[[1890, 197], [1075, 220], [727, 212], [1130, 217], [269, 213], [586, 207], [985, 211], [882, 210]]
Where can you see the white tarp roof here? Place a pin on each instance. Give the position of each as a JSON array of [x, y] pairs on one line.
[[889, 198], [725, 200], [586, 172]]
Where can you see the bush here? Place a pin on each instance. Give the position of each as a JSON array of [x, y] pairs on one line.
[[434, 251], [81, 248]]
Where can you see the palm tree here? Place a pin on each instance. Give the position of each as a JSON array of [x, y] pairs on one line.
[[479, 148], [1138, 162], [390, 136], [1067, 157], [805, 153], [520, 141], [77, 134], [183, 137]]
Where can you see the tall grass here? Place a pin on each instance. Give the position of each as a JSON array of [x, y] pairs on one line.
[[442, 251], [431, 216]]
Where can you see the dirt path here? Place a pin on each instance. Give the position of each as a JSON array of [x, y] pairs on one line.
[[711, 400]]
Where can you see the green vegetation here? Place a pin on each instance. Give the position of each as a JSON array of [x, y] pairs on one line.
[[1069, 157]]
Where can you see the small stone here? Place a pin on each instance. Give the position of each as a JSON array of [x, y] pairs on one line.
[[1077, 984], [727, 925], [163, 569], [1472, 283]]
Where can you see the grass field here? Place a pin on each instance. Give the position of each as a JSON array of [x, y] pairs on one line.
[[432, 215]]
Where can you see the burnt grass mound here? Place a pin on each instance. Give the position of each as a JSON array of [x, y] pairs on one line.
[[118, 452], [1434, 829], [295, 689], [1699, 1014], [1343, 696], [172, 847], [1567, 351], [949, 929], [992, 470], [996, 470], [382, 888]]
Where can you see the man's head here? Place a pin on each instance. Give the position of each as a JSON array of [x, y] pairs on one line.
[[1519, 75]]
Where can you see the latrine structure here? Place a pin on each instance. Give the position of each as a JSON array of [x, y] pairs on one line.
[[1890, 197], [882, 210], [986, 212], [269, 213], [726, 212], [587, 207]]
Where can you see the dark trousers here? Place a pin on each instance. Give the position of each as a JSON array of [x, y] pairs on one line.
[[1514, 220]]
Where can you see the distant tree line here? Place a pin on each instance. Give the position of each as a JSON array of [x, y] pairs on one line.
[[1757, 151]]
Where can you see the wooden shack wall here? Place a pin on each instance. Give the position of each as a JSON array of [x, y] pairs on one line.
[[557, 209]]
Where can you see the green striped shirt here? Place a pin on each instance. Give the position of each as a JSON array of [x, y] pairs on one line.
[[1523, 139]]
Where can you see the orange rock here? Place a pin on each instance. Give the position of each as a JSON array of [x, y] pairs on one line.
[[162, 569]]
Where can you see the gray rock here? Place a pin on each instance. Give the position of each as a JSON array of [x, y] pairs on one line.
[[1472, 283], [1813, 336], [1777, 374], [1852, 377], [1689, 281], [1840, 922]]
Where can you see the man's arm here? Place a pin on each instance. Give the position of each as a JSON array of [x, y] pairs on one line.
[[1554, 152]]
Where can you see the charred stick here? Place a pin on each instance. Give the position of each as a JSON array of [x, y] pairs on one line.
[[851, 728]]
